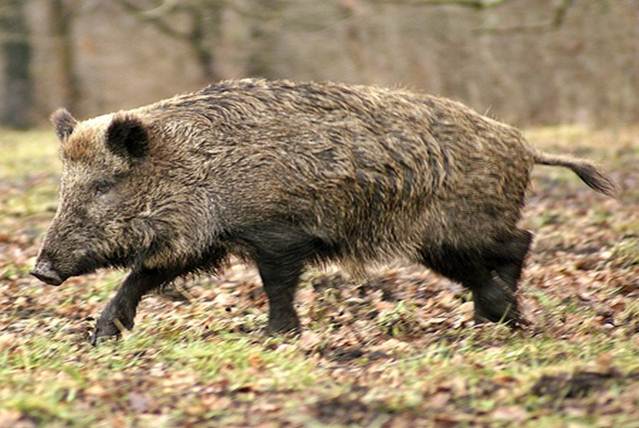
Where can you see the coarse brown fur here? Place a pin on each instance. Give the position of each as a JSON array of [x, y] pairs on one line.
[[288, 174]]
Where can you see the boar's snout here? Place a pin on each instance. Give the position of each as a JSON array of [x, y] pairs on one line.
[[45, 272]]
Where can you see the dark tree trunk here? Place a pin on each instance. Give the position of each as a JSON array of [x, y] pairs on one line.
[[264, 34], [197, 40], [61, 24], [16, 51]]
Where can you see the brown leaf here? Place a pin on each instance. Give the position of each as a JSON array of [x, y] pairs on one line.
[[309, 340], [8, 341], [10, 418], [439, 400], [504, 379], [604, 361], [510, 413], [256, 361], [139, 403], [97, 390]]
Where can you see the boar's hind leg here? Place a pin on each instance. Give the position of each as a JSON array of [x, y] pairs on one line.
[[494, 300], [506, 264], [123, 305], [509, 261]]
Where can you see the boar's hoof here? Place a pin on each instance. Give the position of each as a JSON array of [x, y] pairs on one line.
[[512, 318], [289, 325], [110, 326]]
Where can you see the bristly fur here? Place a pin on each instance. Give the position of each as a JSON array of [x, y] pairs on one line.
[[587, 171], [126, 136], [288, 174], [63, 123]]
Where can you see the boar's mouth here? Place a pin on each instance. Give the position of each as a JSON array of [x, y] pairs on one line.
[[45, 272], [50, 272], [50, 276], [54, 266]]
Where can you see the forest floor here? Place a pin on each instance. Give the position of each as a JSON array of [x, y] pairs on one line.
[[399, 349]]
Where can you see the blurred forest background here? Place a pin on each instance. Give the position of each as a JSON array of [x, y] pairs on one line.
[[528, 62]]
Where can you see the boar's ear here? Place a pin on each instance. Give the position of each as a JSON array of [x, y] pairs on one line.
[[126, 136], [63, 122]]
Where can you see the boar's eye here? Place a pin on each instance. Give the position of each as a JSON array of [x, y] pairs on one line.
[[102, 186]]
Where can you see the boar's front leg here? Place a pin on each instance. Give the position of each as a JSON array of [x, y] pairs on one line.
[[122, 307]]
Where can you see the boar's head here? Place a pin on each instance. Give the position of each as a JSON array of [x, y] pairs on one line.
[[111, 197]]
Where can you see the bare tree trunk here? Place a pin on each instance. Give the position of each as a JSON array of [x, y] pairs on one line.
[[197, 40], [16, 50], [62, 32], [264, 29], [205, 21], [354, 42]]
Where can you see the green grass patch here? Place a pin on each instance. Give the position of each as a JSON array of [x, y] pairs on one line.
[[400, 349]]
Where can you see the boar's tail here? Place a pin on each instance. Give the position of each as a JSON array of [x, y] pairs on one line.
[[587, 171]]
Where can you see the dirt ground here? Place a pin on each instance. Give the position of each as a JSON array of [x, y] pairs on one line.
[[399, 349]]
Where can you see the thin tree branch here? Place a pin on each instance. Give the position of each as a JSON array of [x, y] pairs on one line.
[[561, 12], [474, 4], [557, 20], [154, 18]]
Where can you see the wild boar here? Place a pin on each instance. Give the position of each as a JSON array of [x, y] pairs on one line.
[[289, 174]]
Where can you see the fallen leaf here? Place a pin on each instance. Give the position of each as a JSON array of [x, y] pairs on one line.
[[510, 413], [139, 403]]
